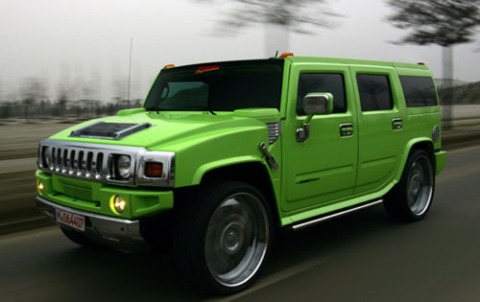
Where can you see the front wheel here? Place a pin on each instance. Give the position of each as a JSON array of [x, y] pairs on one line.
[[411, 199], [223, 237]]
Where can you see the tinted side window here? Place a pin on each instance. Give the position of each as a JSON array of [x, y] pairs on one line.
[[322, 82], [375, 92], [418, 91]]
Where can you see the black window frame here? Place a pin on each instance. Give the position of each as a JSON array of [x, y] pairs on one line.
[[340, 104], [371, 103], [417, 92]]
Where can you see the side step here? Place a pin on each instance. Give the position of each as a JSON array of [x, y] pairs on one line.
[[308, 223]]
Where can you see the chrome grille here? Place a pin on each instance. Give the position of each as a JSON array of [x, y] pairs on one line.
[[76, 162]]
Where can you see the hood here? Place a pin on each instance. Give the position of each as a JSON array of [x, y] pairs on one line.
[[148, 129]]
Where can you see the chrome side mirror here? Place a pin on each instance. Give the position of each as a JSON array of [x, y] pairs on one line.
[[317, 103]]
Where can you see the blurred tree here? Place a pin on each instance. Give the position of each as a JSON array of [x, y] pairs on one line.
[[301, 16], [33, 91], [440, 22]]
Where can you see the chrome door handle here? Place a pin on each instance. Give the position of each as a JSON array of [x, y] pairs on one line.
[[346, 129], [397, 123]]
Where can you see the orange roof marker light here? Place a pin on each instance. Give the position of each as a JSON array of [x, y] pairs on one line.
[[168, 66], [203, 69], [286, 55]]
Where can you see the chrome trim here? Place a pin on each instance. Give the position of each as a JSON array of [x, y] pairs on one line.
[[122, 234], [274, 132], [167, 178], [334, 215], [97, 162]]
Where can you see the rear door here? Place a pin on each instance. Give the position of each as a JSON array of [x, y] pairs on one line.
[[381, 126]]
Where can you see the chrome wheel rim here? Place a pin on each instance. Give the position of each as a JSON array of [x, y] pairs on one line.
[[237, 239], [420, 186]]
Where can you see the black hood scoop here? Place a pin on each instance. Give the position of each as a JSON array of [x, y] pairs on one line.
[[109, 130]]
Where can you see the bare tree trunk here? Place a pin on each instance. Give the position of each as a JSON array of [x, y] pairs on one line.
[[447, 60]]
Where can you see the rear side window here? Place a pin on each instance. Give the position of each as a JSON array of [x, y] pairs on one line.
[[322, 82], [419, 91], [375, 92]]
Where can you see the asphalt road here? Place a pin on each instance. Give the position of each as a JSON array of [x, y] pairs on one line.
[[360, 257]]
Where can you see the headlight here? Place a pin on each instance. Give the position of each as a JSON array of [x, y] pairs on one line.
[[123, 166]]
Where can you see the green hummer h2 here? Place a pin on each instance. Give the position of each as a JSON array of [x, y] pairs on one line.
[[223, 154]]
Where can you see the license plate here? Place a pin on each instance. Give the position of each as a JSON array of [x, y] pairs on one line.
[[72, 220]]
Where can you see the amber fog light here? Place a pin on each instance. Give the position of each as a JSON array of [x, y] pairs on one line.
[[153, 169], [118, 204]]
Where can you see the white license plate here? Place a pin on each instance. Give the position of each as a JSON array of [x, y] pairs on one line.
[[70, 219]]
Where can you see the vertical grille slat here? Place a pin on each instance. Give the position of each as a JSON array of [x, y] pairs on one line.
[[99, 166], [80, 163], [89, 164]]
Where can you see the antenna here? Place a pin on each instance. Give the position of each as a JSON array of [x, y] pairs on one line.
[[130, 69]]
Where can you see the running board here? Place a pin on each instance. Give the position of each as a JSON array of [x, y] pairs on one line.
[[334, 215]]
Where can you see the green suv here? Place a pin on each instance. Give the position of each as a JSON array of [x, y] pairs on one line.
[[224, 154]]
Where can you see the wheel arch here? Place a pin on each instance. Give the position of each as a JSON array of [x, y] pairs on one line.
[[255, 174], [420, 143]]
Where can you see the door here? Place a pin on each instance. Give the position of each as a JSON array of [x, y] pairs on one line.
[[321, 170], [380, 127]]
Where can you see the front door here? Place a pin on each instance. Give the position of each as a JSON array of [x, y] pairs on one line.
[[321, 170]]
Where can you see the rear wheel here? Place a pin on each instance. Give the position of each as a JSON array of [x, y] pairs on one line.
[[411, 199], [223, 237]]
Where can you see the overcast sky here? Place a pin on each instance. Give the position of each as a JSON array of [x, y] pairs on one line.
[[88, 41]]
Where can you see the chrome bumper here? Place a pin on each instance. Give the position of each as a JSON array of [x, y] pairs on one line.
[[121, 234]]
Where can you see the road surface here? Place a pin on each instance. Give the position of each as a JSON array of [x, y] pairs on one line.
[[360, 257]]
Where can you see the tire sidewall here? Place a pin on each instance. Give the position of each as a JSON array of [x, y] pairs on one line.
[[189, 242], [396, 201]]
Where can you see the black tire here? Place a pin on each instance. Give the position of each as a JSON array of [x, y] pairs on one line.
[[412, 197], [77, 237], [222, 237]]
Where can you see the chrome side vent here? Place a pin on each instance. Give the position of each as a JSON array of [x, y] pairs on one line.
[[273, 132]]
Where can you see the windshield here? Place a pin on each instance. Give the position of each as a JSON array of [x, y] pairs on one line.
[[218, 87]]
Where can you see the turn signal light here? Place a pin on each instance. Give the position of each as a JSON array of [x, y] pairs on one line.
[[153, 169]]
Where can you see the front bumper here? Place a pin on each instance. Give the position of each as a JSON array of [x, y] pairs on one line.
[[121, 234]]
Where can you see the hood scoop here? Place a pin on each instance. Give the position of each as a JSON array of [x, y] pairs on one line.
[[109, 130]]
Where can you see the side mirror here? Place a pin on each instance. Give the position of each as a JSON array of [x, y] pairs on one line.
[[317, 103]]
